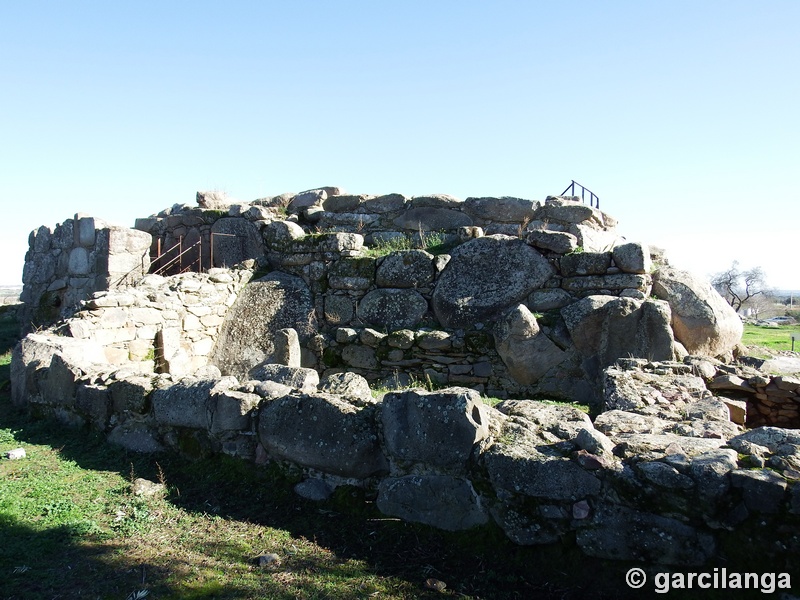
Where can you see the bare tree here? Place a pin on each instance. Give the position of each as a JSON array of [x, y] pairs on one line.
[[740, 288], [760, 305]]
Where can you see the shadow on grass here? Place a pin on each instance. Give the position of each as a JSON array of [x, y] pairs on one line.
[[480, 563], [62, 563]]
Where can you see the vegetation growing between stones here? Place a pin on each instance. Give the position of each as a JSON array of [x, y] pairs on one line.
[[582, 407], [436, 243], [425, 383], [212, 214], [433, 242]]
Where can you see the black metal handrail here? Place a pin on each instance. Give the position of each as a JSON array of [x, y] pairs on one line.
[[594, 201]]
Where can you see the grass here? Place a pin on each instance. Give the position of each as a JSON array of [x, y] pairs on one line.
[[772, 338], [434, 242], [387, 247]]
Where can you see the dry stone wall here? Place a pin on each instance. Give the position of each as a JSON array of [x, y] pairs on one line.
[[273, 361], [65, 265], [661, 475], [224, 233], [760, 398], [560, 260], [161, 324], [541, 311]]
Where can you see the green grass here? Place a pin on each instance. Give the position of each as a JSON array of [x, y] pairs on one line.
[[433, 242], [576, 405], [773, 338], [392, 245]]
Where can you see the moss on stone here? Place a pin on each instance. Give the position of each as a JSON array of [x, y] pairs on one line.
[[478, 341], [331, 358]]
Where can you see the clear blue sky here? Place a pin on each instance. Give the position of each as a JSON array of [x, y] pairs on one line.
[[683, 116]]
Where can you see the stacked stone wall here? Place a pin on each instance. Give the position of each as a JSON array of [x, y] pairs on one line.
[[271, 362], [563, 292], [661, 475], [161, 324], [65, 265], [379, 315], [765, 399], [227, 234]]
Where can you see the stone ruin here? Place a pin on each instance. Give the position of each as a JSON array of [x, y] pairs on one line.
[[295, 334]]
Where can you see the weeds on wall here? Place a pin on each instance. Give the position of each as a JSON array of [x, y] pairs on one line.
[[435, 242]]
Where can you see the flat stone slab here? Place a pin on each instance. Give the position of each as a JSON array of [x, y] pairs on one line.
[[785, 365], [392, 308], [445, 502]]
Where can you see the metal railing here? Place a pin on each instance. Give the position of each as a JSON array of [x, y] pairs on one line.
[[198, 262], [175, 263], [594, 201], [177, 259]]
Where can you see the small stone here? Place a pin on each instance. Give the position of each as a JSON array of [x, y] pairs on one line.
[[435, 584], [673, 449], [482, 369], [784, 382], [434, 340], [395, 355], [730, 382], [791, 473], [594, 441], [590, 461], [145, 487], [16, 454], [402, 338], [737, 410], [581, 510], [269, 560], [313, 489], [350, 385], [755, 461], [372, 338], [345, 335], [287, 347]]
